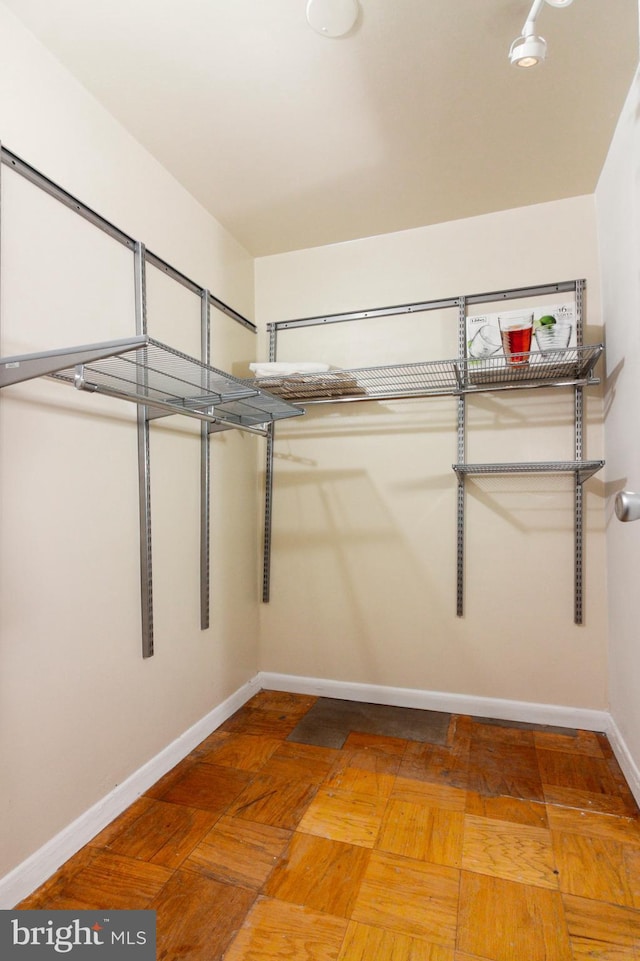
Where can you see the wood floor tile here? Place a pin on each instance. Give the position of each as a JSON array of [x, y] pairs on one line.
[[323, 875], [245, 752], [436, 764], [159, 789], [197, 917], [280, 931], [164, 834], [208, 745], [424, 792], [410, 897], [344, 816], [503, 808], [515, 852], [593, 868], [502, 734], [503, 768], [461, 728], [585, 742], [239, 852], [207, 787], [423, 832], [283, 702], [603, 932], [280, 802], [594, 824], [270, 723], [123, 822], [116, 882], [302, 761], [360, 781], [577, 772], [370, 752], [506, 921], [363, 942]]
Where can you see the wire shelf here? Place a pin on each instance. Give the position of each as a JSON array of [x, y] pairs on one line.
[[571, 367], [147, 372], [582, 469]]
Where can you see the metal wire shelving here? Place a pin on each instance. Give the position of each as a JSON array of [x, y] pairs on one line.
[[569, 367], [461, 377]]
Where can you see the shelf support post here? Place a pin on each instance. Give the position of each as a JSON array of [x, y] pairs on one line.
[[205, 471], [268, 482], [144, 473], [461, 457], [579, 454]]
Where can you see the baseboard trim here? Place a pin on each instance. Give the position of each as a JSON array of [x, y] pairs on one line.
[[32, 872], [553, 714], [624, 757]]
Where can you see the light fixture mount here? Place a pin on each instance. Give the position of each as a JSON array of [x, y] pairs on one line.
[[529, 48], [332, 18]]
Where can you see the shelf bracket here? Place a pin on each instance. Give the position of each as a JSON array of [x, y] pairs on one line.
[[15, 370]]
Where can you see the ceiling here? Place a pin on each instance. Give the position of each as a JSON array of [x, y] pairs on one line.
[[291, 139]]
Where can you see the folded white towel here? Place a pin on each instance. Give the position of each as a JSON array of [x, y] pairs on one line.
[[284, 369]]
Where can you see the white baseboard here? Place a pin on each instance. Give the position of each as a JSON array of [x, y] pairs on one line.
[[29, 875], [629, 767], [553, 714]]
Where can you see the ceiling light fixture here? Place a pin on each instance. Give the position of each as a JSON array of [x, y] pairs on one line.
[[332, 18], [530, 49]]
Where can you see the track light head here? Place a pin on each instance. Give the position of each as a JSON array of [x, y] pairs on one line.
[[528, 51]]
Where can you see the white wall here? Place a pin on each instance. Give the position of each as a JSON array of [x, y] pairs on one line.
[[80, 709], [363, 575], [618, 207]]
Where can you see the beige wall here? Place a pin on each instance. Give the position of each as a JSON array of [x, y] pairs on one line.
[[618, 206], [80, 709], [363, 575]]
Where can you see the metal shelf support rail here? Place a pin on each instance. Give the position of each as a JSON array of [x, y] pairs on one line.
[[144, 462], [572, 367], [205, 472], [461, 457], [268, 483]]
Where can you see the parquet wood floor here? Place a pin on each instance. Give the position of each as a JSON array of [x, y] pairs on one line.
[[504, 843]]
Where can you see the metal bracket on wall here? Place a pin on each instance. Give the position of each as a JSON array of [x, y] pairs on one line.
[[268, 483], [461, 456], [205, 472], [144, 464]]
